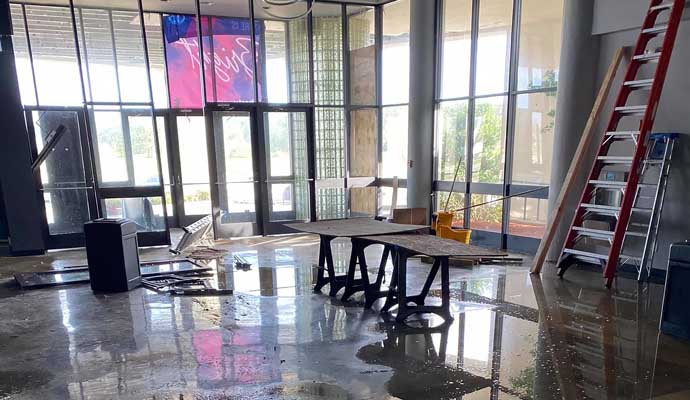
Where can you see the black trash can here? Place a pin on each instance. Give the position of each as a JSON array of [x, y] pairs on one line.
[[675, 313], [112, 251]]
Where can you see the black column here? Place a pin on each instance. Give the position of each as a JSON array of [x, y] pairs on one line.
[[21, 198]]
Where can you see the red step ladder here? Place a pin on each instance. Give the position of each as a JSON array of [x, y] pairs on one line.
[[607, 181]]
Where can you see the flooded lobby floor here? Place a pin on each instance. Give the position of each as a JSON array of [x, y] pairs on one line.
[[513, 336]]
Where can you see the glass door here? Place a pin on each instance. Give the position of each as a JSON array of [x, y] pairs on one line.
[[191, 174], [286, 174], [129, 173], [64, 178], [236, 185]]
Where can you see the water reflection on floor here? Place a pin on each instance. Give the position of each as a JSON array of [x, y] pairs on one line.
[[512, 337]]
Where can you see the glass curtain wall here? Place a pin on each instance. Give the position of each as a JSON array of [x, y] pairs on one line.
[[395, 77], [93, 63], [495, 109], [363, 114], [348, 64], [328, 62]]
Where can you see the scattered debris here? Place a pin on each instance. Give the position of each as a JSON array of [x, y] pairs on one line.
[[242, 263], [195, 234], [80, 274], [173, 284], [207, 253], [469, 262]]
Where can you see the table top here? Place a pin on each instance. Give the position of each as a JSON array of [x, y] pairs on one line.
[[354, 227], [434, 246]]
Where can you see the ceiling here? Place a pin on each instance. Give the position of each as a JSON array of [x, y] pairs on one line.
[[235, 8]]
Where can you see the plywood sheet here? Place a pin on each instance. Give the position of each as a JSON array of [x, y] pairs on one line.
[[354, 227], [363, 160], [434, 246]]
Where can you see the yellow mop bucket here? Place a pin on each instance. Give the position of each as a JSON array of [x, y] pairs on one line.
[[442, 224]]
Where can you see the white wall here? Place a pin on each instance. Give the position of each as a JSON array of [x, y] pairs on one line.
[[617, 15], [674, 110]]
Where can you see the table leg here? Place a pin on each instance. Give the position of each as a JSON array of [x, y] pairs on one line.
[[336, 282], [445, 289], [351, 269], [382, 265], [321, 280], [392, 287], [373, 292], [402, 287], [419, 299]]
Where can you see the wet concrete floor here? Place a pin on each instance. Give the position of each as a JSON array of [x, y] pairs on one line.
[[512, 337]]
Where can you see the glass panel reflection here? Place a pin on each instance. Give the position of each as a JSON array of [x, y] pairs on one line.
[[145, 212]]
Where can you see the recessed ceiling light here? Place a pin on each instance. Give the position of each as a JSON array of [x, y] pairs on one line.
[[207, 3]]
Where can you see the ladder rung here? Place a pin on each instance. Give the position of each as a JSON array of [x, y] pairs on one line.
[[647, 57], [600, 207], [631, 110], [596, 233], [586, 254], [636, 234], [625, 160], [625, 257], [615, 160], [639, 84], [640, 224], [641, 210], [655, 30], [616, 184], [662, 6], [623, 135]]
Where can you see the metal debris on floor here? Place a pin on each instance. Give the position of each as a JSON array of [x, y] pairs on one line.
[[242, 263], [80, 274], [207, 253], [200, 232], [197, 285]]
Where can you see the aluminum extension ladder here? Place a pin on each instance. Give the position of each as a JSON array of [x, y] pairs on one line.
[[648, 204], [661, 22]]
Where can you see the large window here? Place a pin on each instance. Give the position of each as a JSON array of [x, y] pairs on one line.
[[495, 114], [347, 65], [395, 89], [396, 52]]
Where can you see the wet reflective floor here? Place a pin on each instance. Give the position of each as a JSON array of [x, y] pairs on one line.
[[512, 337]]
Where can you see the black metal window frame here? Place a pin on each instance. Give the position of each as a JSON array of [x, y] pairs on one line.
[[465, 185]]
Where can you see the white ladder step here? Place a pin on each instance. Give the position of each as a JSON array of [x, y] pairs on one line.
[[623, 135], [594, 233], [639, 84], [655, 30], [615, 160], [602, 234], [587, 254], [631, 110], [647, 57], [636, 234], [625, 160], [625, 257], [663, 6], [600, 207], [641, 210], [616, 184], [611, 209]]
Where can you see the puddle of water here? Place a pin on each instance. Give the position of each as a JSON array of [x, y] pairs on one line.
[[16, 382]]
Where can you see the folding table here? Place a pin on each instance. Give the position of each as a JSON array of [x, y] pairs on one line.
[[350, 228]]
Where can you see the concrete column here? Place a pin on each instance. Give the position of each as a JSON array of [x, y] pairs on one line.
[[421, 111], [22, 200], [576, 94]]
